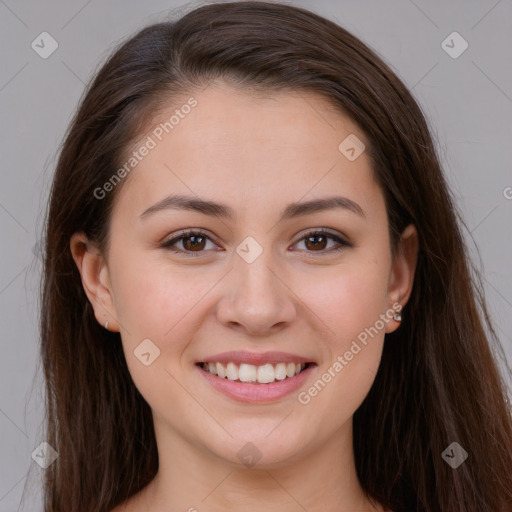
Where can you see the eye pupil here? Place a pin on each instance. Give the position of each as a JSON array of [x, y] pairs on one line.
[[195, 243], [316, 244]]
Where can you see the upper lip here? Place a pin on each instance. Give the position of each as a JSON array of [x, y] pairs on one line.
[[254, 358]]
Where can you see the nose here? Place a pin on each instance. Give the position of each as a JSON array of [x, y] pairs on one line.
[[256, 298]]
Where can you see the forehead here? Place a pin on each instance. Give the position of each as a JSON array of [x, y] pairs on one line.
[[275, 146]]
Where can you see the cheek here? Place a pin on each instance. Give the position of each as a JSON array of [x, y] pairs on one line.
[[348, 299], [352, 379], [350, 303], [152, 296], [157, 300], [154, 301]]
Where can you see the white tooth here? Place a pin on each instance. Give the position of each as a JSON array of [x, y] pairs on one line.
[[281, 371], [266, 374], [221, 371], [247, 373], [232, 371]]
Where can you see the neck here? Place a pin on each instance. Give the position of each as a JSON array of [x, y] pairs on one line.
[[191, 478]]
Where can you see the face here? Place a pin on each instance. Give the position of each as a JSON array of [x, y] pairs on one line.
[[264, 282]]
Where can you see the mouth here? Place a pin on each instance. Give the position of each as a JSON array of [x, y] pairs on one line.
[[256, 378], [252, 374]]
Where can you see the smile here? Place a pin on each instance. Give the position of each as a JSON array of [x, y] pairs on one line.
[[255, 378], [249, 373]]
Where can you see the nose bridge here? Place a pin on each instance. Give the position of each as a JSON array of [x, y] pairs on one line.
[[257, 298], [255, 281]]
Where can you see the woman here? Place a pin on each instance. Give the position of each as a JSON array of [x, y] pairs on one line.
[[256, 292]]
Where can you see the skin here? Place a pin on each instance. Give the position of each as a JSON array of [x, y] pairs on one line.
[[256, 153]]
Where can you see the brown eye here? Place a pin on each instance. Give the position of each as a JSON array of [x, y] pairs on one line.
[[194, 242], [191, 242], [317, 241]]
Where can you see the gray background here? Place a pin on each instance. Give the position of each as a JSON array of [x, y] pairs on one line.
[[468, 101]]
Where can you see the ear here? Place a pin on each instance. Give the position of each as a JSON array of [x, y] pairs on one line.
[[95, 279], [402, 271]]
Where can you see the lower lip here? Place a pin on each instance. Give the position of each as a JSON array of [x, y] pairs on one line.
[[257, 393]]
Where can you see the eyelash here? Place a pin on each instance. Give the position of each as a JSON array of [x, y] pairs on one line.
[[197, 232]]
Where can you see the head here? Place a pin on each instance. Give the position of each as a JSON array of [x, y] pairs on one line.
[[258, 123]]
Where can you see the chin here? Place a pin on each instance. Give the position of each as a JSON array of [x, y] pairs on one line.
[[262, 451]]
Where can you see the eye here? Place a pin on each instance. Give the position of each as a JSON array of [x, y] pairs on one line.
[[193, 242], [317, 240]]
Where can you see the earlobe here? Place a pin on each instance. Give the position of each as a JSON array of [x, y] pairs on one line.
[[95, 279], [402, 272]]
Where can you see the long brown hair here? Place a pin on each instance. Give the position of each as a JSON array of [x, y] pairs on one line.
[[438, 381]]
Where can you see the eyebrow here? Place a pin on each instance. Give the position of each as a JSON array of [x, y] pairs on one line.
[[206, 207]]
